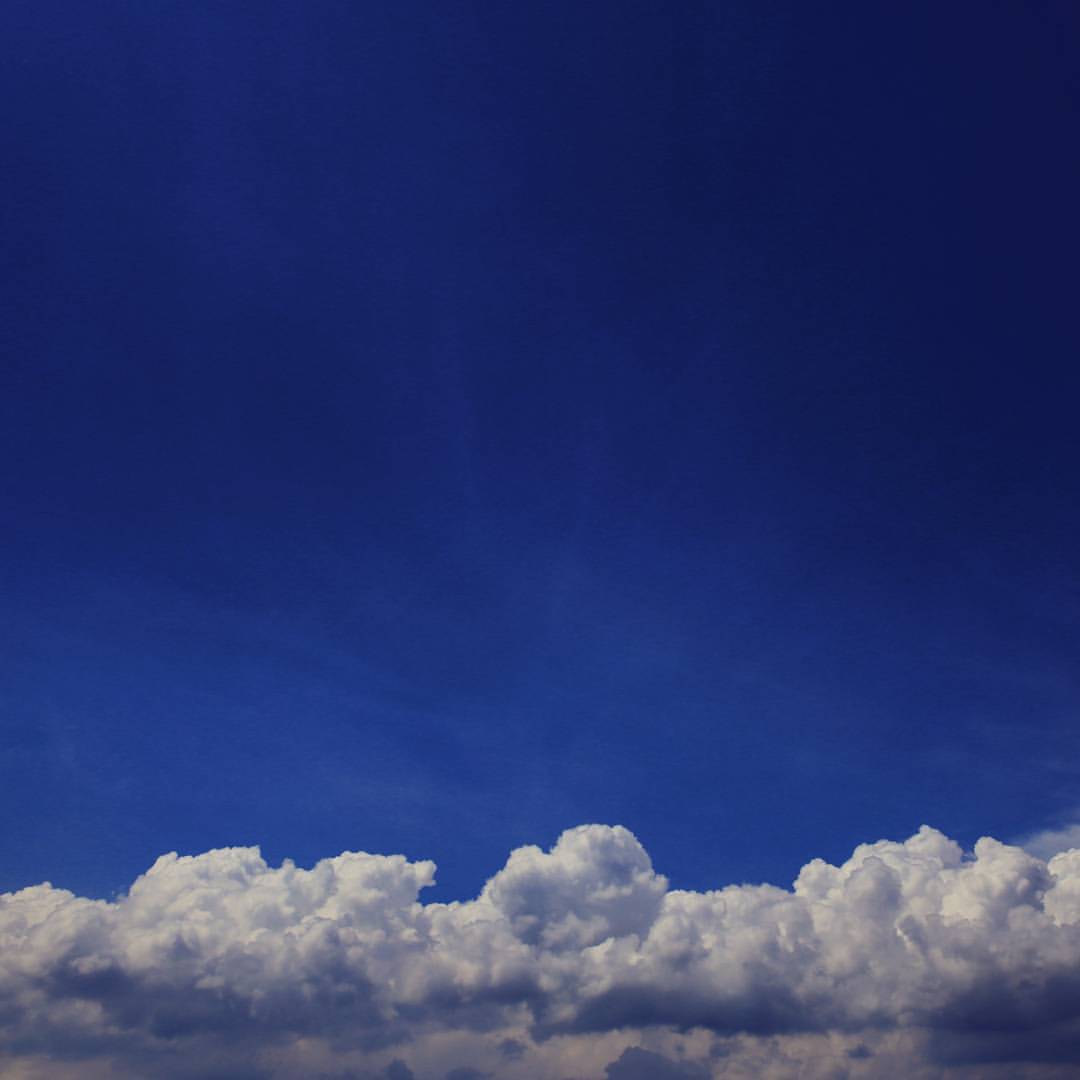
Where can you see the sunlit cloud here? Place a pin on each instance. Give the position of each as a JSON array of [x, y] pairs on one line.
[[576, 962], [1049, 842]]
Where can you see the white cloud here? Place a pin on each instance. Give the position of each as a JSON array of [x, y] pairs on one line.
[[1050, 842], [909, 959]]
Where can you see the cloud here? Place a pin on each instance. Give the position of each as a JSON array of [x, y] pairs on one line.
[[578, 961], [512, 1049], [1050, 842], [637, 1064]]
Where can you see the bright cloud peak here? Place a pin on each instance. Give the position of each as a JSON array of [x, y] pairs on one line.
[[910, 958]]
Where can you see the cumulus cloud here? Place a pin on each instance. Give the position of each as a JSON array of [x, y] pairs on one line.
[[910, 958], [1047, 843]]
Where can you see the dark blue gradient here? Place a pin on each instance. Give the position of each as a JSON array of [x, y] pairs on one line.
[[428, 426]]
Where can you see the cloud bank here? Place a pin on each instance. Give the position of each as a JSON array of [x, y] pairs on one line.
[[911, 959]]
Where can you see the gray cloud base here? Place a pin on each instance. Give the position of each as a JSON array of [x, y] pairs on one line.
[[218, 963]]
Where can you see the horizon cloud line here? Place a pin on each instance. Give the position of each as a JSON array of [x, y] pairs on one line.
[[913, 948]]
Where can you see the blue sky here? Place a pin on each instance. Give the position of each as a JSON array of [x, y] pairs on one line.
[[429, 427]]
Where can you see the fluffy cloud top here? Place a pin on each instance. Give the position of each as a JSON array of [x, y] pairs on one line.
[[1048, 843], [574, 962]]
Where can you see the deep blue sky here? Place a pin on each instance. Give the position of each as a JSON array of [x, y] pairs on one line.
[[428, 426]]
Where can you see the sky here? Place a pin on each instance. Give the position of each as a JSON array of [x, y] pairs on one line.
[[429, 429]]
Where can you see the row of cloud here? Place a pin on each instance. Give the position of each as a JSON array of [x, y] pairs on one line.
[[909, 959]]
